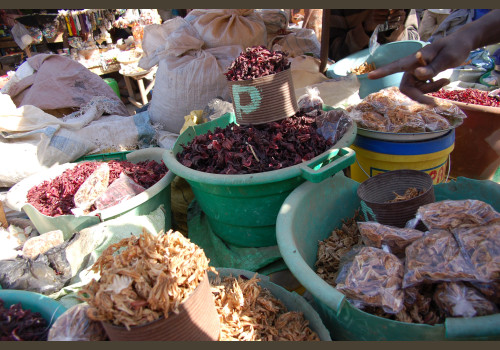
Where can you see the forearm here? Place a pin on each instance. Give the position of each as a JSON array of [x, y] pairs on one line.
[[484, 31]]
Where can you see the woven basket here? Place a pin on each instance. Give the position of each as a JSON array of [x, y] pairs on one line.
[[197, 320], [377, 190], [265, 99]]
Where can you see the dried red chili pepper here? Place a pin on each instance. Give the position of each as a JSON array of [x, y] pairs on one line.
[[472, 96]]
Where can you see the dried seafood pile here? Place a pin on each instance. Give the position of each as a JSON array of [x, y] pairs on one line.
[[144, 278], [390, 111], [452, 270], [332, 249], [249, 312]]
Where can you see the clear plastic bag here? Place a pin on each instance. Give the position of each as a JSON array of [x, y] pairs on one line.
[[119, 191], [21, 35], [373, 278], [74, 325], [332, 124], [480, 245], [397, 239], [403, 115], [436, 257], [490, 290], [460, 300], [310, 101], [449, 214], [95, 185], [369, 119]]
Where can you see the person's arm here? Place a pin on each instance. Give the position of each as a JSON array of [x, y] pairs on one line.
[[448, 52], [350, 30]]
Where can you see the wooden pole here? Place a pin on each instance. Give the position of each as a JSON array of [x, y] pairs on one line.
[[325, 40]]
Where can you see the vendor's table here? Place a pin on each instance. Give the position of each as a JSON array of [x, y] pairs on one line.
[[144, 90]]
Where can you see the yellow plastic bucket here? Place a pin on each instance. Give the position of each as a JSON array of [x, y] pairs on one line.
[[376, 156]]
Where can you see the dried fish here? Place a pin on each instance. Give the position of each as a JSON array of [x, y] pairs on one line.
[[374, 277], [410, 193], [481, 247], [249, 312], [397, 239], [449, 214], [435, 257], [459, 300], [144, 278], [339, 243]]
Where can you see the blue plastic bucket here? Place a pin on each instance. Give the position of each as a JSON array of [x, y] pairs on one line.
[[376, 156]]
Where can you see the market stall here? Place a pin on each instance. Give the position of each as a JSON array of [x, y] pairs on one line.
[[264, 192]]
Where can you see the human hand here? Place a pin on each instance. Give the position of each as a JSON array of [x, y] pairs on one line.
[[375, 18], [421, 67], [396, 18]]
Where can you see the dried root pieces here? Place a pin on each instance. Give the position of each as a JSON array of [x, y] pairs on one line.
[[144, 278], [249, 312]]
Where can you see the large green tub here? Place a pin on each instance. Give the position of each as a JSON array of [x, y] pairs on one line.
[[313, 211], [242, 209], [142, 204]]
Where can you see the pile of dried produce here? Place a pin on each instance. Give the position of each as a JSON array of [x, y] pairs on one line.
[[389, 110], [397, 239], [332, 249], [450, 271], [19, 324], [449, 214], [56, 197], [248, 149], [472, 96], [249, 312], [256, 62], [144, 278], [364, 68], [410, 193]]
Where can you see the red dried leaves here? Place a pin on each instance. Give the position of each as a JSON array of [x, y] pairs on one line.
[[248, 149], [256, 62], [56, 197]]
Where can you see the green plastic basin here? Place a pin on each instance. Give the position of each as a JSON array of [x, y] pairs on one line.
[[382, 56], [142, 204], [309, 215], [291, 300], [47, 307], [242, 209]]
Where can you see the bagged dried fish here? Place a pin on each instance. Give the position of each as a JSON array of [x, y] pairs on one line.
[[418, 307], [333, 248], [74, 325], [144, 278], [448, 214], [460, 300], [397, 239], [490, 290], [436, 257], [249, 312], [481, 247], [373, 278]]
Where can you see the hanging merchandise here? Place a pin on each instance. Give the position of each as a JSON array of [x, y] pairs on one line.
[[36, 34]]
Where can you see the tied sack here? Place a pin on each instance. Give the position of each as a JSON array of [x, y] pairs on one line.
[[188, 77], [224, 27]]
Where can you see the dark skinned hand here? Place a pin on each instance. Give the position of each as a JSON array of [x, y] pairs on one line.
[[447, 52], [375, 18]]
